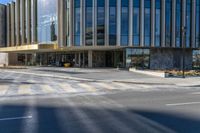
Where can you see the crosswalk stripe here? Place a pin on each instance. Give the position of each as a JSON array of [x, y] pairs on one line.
[[87, 87], [67, 88], [3, 89], [24, 89], [122, 86], [106, 86], [47, 89]]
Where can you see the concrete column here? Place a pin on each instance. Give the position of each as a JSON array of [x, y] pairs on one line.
[[94, 22], [13, 24], [71, 23], [118, 22], [90, 56], [34, 21], [152, 23], [130, 22], [8, 26], [163, 23], [142, 23], [82, 14], [83, 59], [17, 21], [183, 19], [28, 21], [22, 27], [2, 26], [79, 59], [61, 23], [173, 23], [193, 31]]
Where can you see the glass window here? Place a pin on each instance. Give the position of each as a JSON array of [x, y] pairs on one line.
[[100, 22], [188, 19], [136, 21], [178, 23], [138, 58], [47, 21], [147, 22], [77, 23], [168, 22], [157, 23], [124, 23], [112, 22], [89, 23], [197, 23]]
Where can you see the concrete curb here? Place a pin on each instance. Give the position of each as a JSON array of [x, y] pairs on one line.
[[152, 73], [143, 83]]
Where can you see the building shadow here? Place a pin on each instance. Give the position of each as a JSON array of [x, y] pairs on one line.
[[68, 119]]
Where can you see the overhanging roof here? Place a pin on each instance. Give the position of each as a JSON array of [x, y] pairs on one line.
[[53, 48]]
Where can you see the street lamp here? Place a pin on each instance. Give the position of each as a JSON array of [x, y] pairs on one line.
[[183, 30]]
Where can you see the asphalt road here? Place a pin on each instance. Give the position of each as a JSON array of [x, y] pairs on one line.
[[137, 109]]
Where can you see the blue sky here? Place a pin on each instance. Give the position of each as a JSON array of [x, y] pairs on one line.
[[4, 1]]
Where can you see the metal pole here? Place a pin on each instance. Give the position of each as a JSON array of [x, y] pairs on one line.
[[183, 48]]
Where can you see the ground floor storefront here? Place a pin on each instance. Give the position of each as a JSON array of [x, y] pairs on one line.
[[125, 58]]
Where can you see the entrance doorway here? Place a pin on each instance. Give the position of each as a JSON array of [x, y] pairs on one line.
[[109, 59]]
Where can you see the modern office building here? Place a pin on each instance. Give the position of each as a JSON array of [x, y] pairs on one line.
[[103, 33]]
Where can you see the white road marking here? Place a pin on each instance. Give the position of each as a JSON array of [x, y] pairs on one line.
[[67, 88], [47, 89], [87, 87], [3, 89], [106, 86], [24, 89], [195, 93], [181, 104], [16, 118]]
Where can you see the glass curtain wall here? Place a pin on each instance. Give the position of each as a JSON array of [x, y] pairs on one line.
[[157, 22], [136, 22], [197, 23], [124, 22], [89, 23], [188, 22], [147, 22], [168, 20], [178, 23], [47, 21], [77, 23], [100, 22], [112, 22]]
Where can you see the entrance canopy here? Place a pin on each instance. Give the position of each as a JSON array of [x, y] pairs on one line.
[[53, 48]]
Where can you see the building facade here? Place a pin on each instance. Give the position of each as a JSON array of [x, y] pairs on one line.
[[104, 33]]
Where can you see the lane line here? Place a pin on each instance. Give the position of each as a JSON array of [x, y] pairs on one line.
[[16, 118], [182, 104]]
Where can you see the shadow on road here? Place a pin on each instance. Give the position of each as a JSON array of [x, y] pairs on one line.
[[48, 119]]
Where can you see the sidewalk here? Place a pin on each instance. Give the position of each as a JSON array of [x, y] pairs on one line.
[[105, 75], [187, 82]]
